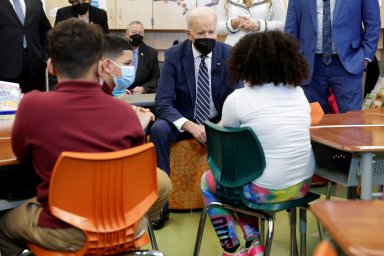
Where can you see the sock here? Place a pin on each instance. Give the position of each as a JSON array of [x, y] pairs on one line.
[[248, 243], [232, 249]]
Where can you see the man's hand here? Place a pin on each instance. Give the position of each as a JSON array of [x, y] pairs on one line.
[[145, 116], [197, 131], [138, 90]]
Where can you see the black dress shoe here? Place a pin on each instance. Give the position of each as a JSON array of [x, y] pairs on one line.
[[159, 222]]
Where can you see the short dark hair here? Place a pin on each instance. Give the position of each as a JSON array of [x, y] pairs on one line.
[[268, 57], [114, 46], [74, 46]]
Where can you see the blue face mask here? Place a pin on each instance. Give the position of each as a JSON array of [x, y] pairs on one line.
[[127, 77]]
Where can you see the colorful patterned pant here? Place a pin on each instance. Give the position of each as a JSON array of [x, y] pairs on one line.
[[223, 220]]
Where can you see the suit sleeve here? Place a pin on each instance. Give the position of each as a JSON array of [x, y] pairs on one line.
[[166, 91], [372, 25], [59, 16], [151, 85], [291, 21], [44, 28], [104, 22]]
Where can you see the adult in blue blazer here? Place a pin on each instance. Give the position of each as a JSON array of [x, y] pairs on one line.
[[355, 28], [175, 103]]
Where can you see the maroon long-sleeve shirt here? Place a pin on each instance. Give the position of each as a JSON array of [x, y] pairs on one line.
[[76, 116]]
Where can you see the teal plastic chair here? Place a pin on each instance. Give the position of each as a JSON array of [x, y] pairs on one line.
[[236, 158]]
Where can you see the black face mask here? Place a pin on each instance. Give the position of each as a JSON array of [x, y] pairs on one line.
[[136, 40], [204, 45], [81, 8]]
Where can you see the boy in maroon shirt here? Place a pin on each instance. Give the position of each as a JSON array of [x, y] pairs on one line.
[[76, 116]]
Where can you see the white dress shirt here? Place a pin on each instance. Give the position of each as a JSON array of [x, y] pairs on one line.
[[22, 2], [212, 110]]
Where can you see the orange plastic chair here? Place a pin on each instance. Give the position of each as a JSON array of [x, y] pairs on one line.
[[105, 195], [316, 112], [324, 248]]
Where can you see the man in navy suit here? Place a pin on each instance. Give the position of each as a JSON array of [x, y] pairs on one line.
[[176, 95], [23, 43], [354, 29]]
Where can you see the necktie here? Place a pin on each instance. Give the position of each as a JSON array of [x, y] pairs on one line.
[[202, 93], [20, 14], [327, 34], [135, 58]]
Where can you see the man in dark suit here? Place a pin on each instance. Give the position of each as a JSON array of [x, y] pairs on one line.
[[23, 43], [336, 61], [192, 88], [83, 9], [145, 60]]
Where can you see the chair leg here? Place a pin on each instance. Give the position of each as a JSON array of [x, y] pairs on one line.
[[200, 230], [152, 237], [319, 226], [262, 230], [269, 238], [351, 193], [260, 215], [303, 230], [320, 230], [329, 191], [292, 222]]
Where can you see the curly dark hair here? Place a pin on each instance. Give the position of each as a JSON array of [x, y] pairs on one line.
[[268, 57]]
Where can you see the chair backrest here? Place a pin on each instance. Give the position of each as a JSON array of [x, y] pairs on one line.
[[235, 155], [324, 248], [316, 112], [105, 194]]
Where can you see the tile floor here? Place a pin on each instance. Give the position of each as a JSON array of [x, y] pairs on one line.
[[177, 238]]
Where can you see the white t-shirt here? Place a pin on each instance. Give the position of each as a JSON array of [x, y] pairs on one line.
[[280, 117]]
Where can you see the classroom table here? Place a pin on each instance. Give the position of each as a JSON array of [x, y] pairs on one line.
[[7, 158], [356, 226], [140, 100], [372, 111], [6, 155], [357, 132]]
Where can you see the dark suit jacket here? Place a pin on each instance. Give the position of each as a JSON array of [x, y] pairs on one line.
[[353, 43], [148, 72], [96, 16], [36, 27], [176, 93]]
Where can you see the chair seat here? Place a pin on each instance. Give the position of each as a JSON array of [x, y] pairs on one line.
[[232, 196], [284, 205]]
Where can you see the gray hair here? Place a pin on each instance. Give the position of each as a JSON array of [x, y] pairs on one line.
[[200, 12], [135, 22]]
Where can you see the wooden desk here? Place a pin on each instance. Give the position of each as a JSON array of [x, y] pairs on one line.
[[7, 158], [356, 226], [6, 155], [374, 111], [355, 132], [140, 100]]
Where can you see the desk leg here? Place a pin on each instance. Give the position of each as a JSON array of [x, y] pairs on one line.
[[366, 175]]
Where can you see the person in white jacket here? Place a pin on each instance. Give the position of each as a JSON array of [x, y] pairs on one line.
[[237, 18]]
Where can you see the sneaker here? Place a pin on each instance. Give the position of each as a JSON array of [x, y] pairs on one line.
[[256, 248], [159, 222], [239, 252]]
